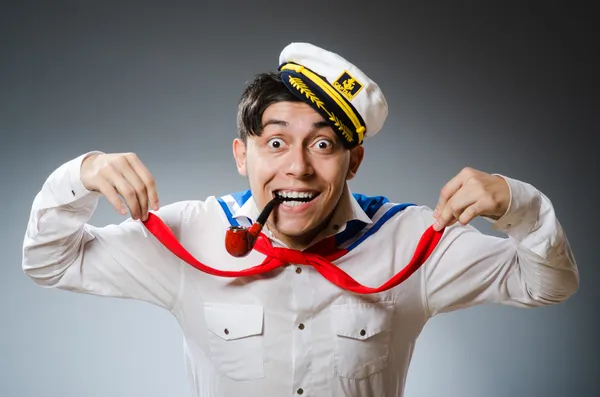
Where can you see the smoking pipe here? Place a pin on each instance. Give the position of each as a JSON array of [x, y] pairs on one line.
[[239, 240]]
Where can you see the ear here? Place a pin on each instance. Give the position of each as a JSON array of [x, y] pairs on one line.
[[239, 154], [356, 158]]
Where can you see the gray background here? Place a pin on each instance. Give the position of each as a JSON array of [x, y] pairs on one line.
[[508, 89]]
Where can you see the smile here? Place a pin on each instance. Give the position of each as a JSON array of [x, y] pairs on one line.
[[294, 198]]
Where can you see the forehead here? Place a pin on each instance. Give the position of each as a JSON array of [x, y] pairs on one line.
[[290, 113]]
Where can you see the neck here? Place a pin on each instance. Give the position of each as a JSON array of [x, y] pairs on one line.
[[302, 241]]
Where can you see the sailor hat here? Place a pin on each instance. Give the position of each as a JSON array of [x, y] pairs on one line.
[[348, 99]]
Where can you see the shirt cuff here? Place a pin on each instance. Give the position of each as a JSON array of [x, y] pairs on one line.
[[68, 188], [523, 211]]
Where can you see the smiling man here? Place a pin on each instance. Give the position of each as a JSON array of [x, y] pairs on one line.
[[300, 328]]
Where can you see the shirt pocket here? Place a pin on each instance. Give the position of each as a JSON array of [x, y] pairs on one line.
[[362, 338], [235, 339]]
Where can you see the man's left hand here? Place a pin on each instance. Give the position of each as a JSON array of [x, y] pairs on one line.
[[469, 194]]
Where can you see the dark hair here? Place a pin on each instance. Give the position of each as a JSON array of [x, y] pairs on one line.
[[263, 91]]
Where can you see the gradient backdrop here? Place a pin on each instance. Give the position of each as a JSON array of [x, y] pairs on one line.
[[503, 89]]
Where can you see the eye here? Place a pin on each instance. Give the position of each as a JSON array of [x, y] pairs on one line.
[[275, 143], [323, 144]]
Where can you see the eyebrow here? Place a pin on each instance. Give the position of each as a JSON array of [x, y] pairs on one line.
[[317, 125]]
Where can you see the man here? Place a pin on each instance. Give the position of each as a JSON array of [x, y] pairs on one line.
[[292, 331]]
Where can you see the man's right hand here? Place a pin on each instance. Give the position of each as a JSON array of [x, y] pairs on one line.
[[121, 174]]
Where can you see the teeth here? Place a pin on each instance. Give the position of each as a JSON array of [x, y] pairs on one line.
[[296, 195], [292, 203]]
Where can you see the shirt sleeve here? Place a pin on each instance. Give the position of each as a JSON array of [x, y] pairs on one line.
[[532, 266], [62, 250]]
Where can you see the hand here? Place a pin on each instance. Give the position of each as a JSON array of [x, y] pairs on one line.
[[469, 194], [121, 174]]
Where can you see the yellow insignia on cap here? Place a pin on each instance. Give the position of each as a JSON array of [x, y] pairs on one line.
[[347, 85]]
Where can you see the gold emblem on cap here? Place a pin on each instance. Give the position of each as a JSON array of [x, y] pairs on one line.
[[347, 85]]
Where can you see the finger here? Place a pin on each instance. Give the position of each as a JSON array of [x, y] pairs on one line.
[[147, 178], [469, 214], [447, 191], [454, 208], [116, 178], [111, 194], [140, 189]]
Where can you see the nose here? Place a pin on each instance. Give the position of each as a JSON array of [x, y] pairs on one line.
[[299, 163]]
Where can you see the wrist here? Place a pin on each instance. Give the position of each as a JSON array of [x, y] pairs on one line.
[[523, 210], [86, 167]]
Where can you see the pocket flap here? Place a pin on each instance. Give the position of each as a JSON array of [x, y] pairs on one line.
[[233, 321], [361, 320]]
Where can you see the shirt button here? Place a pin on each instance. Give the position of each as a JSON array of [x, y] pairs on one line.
[[298, 270], [73, 192], [226, 331], [300, 391], [301, 326], [362, 332]]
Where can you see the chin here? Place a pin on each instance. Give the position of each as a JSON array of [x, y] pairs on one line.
[[294, 230], [291, 231]]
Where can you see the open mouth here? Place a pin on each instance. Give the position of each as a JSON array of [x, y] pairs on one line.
[[294, 198]]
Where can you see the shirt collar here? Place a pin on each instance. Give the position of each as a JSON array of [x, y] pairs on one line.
[[348, 209]]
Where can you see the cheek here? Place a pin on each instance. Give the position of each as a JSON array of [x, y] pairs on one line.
[[335, 172], [260, 171]]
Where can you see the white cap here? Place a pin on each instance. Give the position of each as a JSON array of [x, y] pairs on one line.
[[329, 85]]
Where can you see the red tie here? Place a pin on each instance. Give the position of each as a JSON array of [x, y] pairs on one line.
[[276, 257]]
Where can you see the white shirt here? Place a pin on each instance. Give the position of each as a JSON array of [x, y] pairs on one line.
[[291, 332]]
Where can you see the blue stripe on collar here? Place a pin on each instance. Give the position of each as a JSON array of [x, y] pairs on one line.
[[241, 197], [370, 204], [230, 203], [227, 212], [361, 231], [379, 209]]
